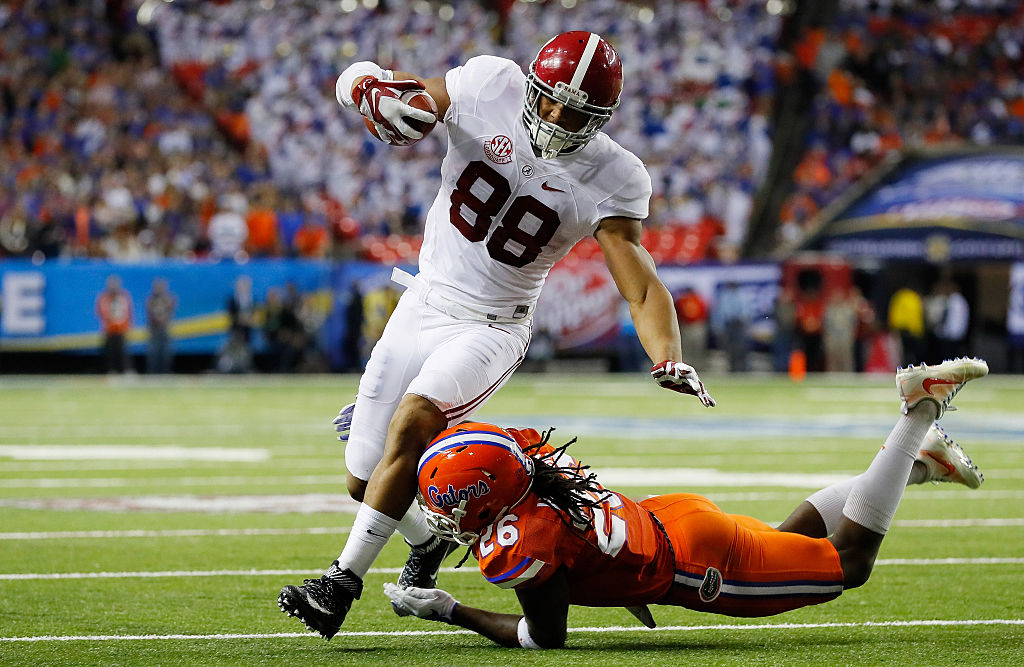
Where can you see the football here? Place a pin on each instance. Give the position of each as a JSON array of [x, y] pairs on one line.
[[420, 99]]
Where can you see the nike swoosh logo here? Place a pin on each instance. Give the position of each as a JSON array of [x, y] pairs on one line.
[[930, 382], [313, 603], [545, 186], [950, 468], [376, 534]]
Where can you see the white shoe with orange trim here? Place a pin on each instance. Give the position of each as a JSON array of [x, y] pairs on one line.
[[938, 383], [946, 461]]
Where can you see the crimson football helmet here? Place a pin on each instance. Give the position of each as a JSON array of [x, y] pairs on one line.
[[470, 476], [583, 72]]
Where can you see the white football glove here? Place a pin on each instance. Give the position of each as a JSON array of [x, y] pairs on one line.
[[380, 102], [343, 422], [677, 376], [432, 604]]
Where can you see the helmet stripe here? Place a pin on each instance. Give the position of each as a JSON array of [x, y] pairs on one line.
[[584, 63], [464, 437]]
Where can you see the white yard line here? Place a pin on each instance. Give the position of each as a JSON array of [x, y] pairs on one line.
[[130, 452], [25, 576], [588, 630], [668, 478], [341, 530], [116, 482], [196, 532], [958, 523]]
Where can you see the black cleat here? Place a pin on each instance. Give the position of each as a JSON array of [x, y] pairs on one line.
[[322, 603], [424, 562]]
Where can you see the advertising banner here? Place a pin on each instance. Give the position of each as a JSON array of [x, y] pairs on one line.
[[52, 306], [936, 207]]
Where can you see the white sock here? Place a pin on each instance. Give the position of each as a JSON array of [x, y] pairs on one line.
[[878, 491], [831, 500], [370, 532], [413, 526]]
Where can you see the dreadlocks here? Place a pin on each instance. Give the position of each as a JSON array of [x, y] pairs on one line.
[[566, 487]]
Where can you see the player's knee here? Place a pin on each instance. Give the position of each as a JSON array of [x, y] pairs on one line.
[[356, 487], [857, 566]]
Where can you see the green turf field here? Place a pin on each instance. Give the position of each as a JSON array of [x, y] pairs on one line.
[[153, 522]]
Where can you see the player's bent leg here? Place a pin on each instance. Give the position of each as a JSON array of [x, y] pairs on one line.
[[925, 393], [858, 547], [392, 486], [456, 380], [415, 424]]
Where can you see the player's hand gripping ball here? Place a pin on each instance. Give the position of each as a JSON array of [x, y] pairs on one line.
[[399, 113]]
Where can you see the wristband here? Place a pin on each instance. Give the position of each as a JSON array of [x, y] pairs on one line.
[[343, 86], [523, 630]]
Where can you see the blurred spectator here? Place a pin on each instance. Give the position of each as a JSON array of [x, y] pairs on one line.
[[261, 223], [236, 354], [949, 319], [906, 320], [692, 312], [242, 310], [378, 304], [114, 310], [160, 307], [228, 232], [729, 320], [785, 330], [867, 328], [351, 344], [839, 332], [311, 240], [810, 326], [283, 333]]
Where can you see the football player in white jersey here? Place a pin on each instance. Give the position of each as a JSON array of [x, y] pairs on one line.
[[528, 173]]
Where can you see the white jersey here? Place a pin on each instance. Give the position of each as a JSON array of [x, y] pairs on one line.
[[503, 216]]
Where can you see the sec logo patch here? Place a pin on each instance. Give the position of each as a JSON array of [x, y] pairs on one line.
[[499, 149]]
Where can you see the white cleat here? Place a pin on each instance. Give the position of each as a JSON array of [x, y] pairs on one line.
[[938, 383], [946, 461]]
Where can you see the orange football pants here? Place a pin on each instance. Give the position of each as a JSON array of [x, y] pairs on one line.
[[740, 566]]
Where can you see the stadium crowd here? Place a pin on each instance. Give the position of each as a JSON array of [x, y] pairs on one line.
[[220, 135], [211, 128], [905, 75], [696, 114]]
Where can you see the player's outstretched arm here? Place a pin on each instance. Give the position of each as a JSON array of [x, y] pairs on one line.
[[543, 626], [650, 305]]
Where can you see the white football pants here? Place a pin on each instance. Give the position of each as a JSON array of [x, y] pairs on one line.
[[456, 364]]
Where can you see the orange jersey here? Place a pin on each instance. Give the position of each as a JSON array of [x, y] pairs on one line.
[[623, 560]]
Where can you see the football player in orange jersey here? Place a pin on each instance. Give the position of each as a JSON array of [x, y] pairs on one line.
[[540, 524]]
